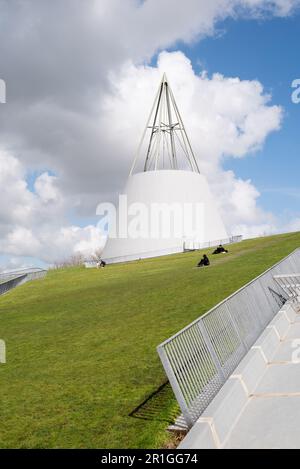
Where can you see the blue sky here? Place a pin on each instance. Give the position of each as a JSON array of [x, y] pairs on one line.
[[266, 51], [72, 70], [263, 50]]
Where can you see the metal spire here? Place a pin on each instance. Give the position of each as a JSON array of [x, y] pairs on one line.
[[169, 146]]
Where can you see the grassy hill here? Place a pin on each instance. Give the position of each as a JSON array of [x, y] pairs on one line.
[[81, 345]]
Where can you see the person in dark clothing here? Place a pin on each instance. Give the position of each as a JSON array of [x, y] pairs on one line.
[[102, 264], [204, 261], [220, 250]]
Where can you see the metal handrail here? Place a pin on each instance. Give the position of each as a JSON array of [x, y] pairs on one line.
[[199, 358], [10, 280], [290, 284], [228, 297], [22, 271]]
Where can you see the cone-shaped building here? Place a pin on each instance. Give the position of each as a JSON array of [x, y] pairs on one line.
[[164, 188]]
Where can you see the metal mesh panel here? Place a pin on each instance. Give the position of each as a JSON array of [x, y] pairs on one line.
[[194, 369], [290, 284], [14, 279], [12, 283], [224, 338], [261, 302], [244, 316], [199, 358]]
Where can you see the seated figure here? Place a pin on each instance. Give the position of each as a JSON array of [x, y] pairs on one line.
[[220, 250], [204, 261]]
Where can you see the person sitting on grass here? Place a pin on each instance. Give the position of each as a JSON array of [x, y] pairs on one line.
[[204, 261], [220, 250]]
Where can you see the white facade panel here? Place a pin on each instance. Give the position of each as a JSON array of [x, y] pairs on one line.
[[167, 187]]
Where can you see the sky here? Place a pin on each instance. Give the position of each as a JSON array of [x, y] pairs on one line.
[[80, 79], [263, 50]]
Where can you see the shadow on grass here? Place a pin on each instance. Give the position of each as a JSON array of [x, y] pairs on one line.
[[157, 406]]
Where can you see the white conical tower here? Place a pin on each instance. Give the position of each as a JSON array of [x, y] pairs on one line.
[[164, 174]]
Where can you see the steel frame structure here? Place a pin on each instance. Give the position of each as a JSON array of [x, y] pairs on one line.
[[168, 137]]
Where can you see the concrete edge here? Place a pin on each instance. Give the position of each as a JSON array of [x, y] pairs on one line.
[[213, 428], [280, 324]]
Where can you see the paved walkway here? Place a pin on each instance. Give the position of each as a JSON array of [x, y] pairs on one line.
[[269, 417]]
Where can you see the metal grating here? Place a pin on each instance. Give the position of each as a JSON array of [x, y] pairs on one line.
[[11, 280], [200, 357]]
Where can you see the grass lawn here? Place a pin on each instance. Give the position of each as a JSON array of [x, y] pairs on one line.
[[81, 345]]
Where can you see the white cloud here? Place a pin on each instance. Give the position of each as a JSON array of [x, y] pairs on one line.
[[225, 116], [78, 97], [293, 225], [219, 114], [58, 66], [46, 189], [34, 224], [276, 7], [22, 241]]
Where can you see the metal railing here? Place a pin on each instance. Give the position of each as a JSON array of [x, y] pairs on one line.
[[11, 283], [10, 280], [200, 357], [187, 245], [290, 284], [191, 245], [17, 273]]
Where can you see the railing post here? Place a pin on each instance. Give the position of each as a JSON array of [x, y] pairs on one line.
[[211, 350], [215, 378]]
